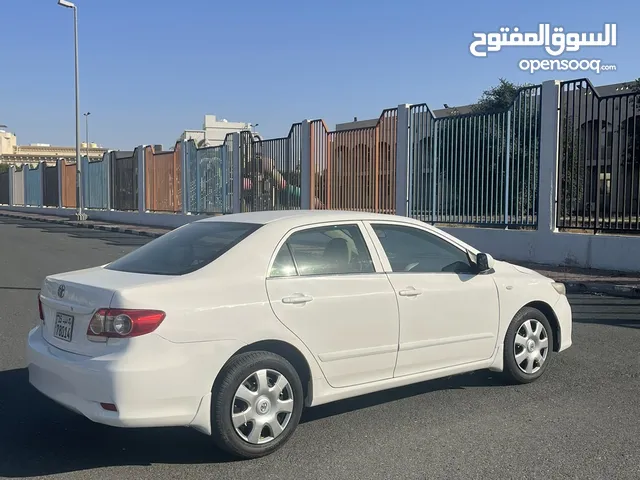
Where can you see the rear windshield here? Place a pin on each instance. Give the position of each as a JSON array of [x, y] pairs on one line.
[[185, 249]]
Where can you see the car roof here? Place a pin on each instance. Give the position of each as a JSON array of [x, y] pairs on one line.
[[303, 216]]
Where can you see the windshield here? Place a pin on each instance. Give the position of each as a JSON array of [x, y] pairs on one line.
[[185, 249]]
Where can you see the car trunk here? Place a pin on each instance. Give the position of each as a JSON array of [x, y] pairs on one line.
[[69, 301]]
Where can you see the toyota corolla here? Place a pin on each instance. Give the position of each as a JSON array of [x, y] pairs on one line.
[[233, 325]]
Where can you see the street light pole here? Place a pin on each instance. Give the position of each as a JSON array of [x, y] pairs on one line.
[[80, 215]]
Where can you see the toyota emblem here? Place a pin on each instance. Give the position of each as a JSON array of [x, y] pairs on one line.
[[61, 290]]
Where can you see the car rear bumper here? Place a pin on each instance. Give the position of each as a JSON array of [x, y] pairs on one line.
[[155, 385]]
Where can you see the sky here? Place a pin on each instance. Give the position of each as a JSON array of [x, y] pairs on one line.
[[149, 69]]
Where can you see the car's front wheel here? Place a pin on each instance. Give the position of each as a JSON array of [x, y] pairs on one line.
[[257, 404], [528, 346]]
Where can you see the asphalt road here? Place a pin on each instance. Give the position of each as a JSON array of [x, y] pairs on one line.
[[580, 421]]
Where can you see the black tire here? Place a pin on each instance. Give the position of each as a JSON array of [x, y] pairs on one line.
[[512, 370], [231, 377]]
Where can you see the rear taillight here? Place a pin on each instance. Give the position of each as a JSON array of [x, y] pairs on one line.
[[123, 323], [40, 308]]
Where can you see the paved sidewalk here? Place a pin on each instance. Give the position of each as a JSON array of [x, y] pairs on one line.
[[585, 280], [153, 232], [577, 280]]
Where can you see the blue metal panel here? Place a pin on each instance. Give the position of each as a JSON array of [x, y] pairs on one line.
[[96, 183], [33, 186], [211, 180], [479, 168]]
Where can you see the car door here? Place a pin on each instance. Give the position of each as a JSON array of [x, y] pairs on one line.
[[449, 315], [328, 289]]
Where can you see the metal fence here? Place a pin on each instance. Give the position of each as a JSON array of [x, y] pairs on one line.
[[33, 185], [124, 181], [319, 149], [210, 177], [599, 152], [4, 188], [163, 180], [18, 185], [213, 180], [479, 168], [95, 176], [355, 169], [68, 184], [51, 187], [271, 171]]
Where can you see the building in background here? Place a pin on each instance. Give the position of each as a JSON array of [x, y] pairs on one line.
[[11, 152], [214, 131]]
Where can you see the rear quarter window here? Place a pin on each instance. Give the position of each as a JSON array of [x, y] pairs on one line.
[[185, 249]]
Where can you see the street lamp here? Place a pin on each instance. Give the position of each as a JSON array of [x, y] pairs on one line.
[[80, 216], [86, 130]]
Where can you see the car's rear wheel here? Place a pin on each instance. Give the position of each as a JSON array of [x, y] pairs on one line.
[[257, 404], [528, 346]]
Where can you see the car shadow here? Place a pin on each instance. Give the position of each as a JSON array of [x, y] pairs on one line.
[[40, 438], [110, 238], [481, 378], [606, 310]]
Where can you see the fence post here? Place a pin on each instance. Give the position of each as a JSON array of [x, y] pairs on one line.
[[549, 136], [12, 170], [402, 160], [237, 173], [60, 185], [306, 168], [107, 157], [198, 181], [185, 176], [41, 167], [507, 167], [224, 158], [25, 169], [433, 160], [142, 195]]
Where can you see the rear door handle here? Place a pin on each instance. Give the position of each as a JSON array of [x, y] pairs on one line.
[[409, 292], [297, 299]]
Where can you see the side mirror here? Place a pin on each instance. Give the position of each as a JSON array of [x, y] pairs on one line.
[[485, 262]]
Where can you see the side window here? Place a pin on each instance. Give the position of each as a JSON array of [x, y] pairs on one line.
[[414, 250], [337, 249], [283, 265]]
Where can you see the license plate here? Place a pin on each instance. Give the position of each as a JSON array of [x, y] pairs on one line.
[[63, 328]]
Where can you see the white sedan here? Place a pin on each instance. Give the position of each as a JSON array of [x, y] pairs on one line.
[[233, 324]]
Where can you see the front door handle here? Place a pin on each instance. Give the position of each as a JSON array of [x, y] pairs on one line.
[[409, 292], [297, 299]]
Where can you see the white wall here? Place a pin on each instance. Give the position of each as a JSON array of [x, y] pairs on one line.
[[217, 130], [601, 251], [7, 142]]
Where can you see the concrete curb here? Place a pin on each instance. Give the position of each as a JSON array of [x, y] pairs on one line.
[[73, 223], [626, 291]]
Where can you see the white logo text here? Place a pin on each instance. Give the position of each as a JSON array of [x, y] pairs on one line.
[[554, 40]]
